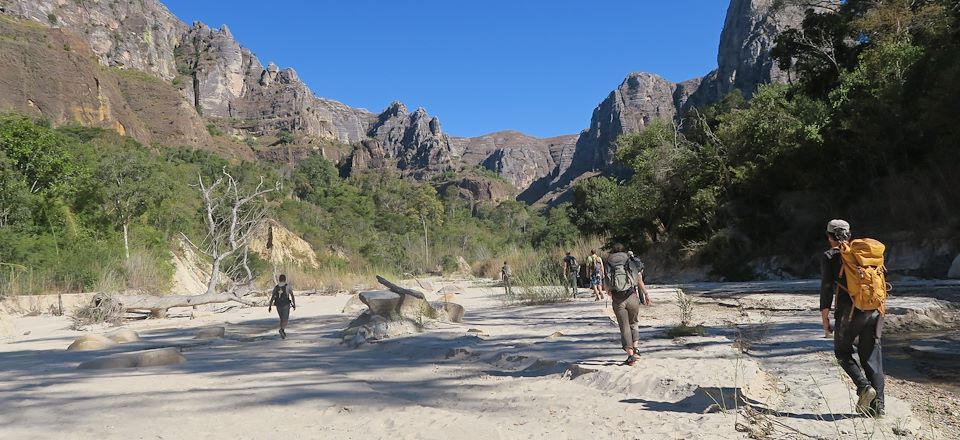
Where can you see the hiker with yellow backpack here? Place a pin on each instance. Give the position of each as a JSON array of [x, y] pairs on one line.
[[853, 277]]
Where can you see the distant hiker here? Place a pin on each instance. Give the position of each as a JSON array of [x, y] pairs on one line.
[[623, 275], [282, 297], [596, 272], [852, 277], [570, 271], [638, 265], [507, 276]]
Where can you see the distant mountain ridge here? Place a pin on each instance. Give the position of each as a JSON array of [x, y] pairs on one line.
[[225, 84]]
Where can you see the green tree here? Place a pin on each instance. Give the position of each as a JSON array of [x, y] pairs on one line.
[[132, 184]]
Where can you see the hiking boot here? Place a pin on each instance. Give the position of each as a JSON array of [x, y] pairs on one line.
[[876, 409], [865, 398], [631, 360]]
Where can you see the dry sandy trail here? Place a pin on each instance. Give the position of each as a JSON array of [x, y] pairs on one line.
[[515, 380]]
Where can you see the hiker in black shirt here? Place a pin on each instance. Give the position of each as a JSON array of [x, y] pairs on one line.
[[570, 271], [282, 297], [851, 324]]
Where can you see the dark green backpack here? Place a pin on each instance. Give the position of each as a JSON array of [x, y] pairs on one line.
[[281, 295]]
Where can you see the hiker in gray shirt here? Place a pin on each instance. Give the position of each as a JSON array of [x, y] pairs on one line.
[[622, 278]]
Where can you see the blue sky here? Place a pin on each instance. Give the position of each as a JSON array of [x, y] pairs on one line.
[[539, 67]]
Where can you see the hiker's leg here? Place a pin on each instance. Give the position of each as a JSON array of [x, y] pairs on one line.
[[871, 356], [843, 336], [284, 312], [633, 316], [620, 310]]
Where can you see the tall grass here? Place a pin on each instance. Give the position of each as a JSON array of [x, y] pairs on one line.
[[537, 273], [528, 260], [327, 278]]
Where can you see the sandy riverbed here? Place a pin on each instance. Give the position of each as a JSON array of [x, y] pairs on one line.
[[550, 371]]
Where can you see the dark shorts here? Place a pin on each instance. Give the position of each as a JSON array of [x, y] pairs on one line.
[[283, 311], [595, 280]]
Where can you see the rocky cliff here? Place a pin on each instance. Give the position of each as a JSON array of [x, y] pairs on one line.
[[743, 59], [225, 80], [54, 74], [521, 159], [198, 75], [744, 62], [140, 35]]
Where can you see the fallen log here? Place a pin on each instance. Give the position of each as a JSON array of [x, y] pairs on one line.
[[158, 305], [400, 290]]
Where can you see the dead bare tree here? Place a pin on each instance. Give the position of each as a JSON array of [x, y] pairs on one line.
[[232, 214]]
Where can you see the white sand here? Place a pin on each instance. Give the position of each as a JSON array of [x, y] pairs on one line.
[[511, 382]]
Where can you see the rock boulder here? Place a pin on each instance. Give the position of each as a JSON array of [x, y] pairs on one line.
[[137, 359], [448, 311], [91, 342], [381, 302], [353, 306], [123, 336]]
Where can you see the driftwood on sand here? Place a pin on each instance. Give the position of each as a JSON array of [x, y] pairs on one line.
[[400, 290]]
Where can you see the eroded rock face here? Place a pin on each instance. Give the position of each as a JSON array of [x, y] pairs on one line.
[[744, 62], [521, 159], [749, 33], [139, 35], [415, 140], [228, 81], [641, 99]]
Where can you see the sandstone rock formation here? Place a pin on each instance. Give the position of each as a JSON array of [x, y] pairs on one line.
[[278, 245], [381, 302], [137, 359], [396, 312]]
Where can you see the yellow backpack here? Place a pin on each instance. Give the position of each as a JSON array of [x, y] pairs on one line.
[[866, 275]]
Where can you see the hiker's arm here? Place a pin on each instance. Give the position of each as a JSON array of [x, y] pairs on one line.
[[270, 304], [643, 288], [827, 282], [827, 292], [293, 300]]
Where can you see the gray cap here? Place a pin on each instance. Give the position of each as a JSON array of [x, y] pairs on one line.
[[629, 253], [837, 225]]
